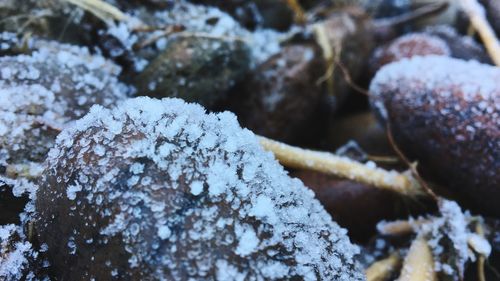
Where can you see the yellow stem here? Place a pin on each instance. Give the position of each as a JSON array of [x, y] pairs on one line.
[[481, 259], [383, 269], [100, 9], [418, 264], [325, 162], [300, 15], [399, 227], [475, 11]]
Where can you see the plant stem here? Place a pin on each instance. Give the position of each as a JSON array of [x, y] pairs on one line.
[[418, 264], [383, 269], [325, 162], [476, 14]]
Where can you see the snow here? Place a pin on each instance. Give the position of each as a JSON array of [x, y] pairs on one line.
[[258, 218]]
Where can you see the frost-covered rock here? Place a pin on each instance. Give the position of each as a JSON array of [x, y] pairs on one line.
[[407, 46], [158, 189], [440, 40], [452, 238], [195, 69], [445, 112], [51, 19], [41, 92], [194, 52], [18, 258]]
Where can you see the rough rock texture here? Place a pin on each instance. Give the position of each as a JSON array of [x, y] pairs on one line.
[[198, 70], [435, 40], [41, 92], [282, 95], [446, 113], [407, 46], [160, 190]]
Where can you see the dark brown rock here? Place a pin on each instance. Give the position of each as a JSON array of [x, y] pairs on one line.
[[283, 95], [41, 92], [445, 113], [255, 13], [435, 40], [160, 190], [354, 205], [196, 69]]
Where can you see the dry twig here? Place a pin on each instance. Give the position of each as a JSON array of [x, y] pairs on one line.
[[412, 167], [332, 164], [418, 264], [482, 258], [299, 14], [383, 269], [331, 53], [100, 9], [399, 227], [476, 14]]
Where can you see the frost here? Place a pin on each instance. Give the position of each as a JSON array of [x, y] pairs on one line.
[[449, 237], [437, 72], [164, 232], [196, 187], [249, 208], [16, 253], [193, 18], [72, 190], [42, 92], [248, 242]]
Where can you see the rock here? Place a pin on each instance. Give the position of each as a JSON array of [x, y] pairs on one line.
[[253, 14], [445, 113], [435, 40], [353, 205], [160, 190], [40, 93], [196, 69], [282, 96], [362, 128]]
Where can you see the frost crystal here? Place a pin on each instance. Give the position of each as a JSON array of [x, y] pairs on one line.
[[449, 236], [446, 113], [15, 253], [215, 205], [197, 20], [41, 92]]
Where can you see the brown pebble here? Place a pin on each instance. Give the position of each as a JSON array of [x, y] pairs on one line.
[[445, 113]]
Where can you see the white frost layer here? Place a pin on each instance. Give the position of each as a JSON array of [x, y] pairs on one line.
[[435, 72], [195, 19], [14, 253], [40, 93], [416, 44], [450, 235], [240, 199], [448, 88]]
